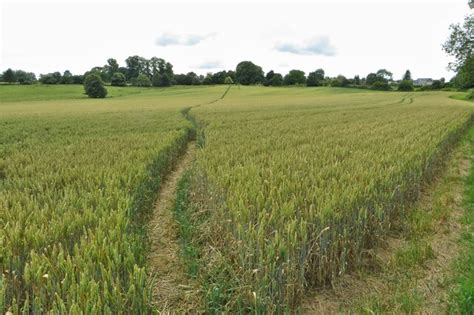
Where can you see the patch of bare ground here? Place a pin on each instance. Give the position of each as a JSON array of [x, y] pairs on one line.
[[173, 291], [386, 280]]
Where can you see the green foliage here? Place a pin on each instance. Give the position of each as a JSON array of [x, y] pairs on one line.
[[460, 43], [315, 78], [67, 78], [24, 77], [340, 81], [118, 79], [462, 297], [380, 86], [50, 78], [141, 81], [9, 76], [228, 80], [406, 85], [94, 86], [465, 77], [407, 76], [294, 77], [248, 73]]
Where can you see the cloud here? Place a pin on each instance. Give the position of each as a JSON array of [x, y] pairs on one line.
[[314, 46], [210, 65], [169, 39]]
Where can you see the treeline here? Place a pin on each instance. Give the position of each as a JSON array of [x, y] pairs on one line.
[[142, 72]]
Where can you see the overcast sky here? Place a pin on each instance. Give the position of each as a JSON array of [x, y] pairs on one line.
[[342, 37]]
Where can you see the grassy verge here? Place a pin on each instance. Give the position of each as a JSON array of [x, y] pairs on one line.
[[418, 275], [462, 296]]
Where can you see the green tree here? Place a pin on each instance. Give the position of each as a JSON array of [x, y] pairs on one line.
[[9, 76], [315, 78], [406, 85], [277, 80], [118, 79], [465, 77], [142, 81], [356, 80], [407, 76], [24, 77], [460, 43], [67, 77], [228, 80], [294, 77], [94, 86], [248, 73]]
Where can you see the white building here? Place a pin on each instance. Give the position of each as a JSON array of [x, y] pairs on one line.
[[423, 82]]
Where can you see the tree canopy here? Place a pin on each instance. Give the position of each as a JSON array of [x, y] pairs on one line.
[[248, 73]]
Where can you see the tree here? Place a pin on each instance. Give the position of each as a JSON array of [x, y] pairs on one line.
[[24, 77], [94, 86], [248, 73], [277, 80], [407, 76], [50, 78], [228, 80], [142, 81], [384, 75], [219, 77], [268, 78], [156, 80], [315, 78], [356, 80], [406, 85], [111, 67], [380, 85], [465, 76], [371, 78], [294, 77], [339, 81], [9, 76], [437, 85], [134, 67], [67, 77], [118, 79], [460, 43]]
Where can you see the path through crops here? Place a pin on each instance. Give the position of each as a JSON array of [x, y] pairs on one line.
[[171, 290]]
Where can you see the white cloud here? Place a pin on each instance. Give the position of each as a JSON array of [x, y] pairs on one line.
[[169, 39], [210, 65], [314, 46]]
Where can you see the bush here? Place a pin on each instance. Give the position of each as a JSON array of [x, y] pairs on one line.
[[380, 86], [94, 86], [142, 80], [118, 79], [470, 96], [406, 85]]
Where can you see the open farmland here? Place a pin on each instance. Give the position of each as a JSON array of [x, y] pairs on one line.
[[288, 187], [300, 182], [77, 178]]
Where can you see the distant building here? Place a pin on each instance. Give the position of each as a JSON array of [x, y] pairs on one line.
[[423, 82]]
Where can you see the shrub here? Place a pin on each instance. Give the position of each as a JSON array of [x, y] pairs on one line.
[[380, 86], [118, 79], [406, 85], [142, 80], [94, 86]]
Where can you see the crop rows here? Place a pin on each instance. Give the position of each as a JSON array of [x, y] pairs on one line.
[[77, 180], [291, 190]]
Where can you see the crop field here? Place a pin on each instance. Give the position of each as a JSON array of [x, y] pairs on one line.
[[77, 178], [288, 188]]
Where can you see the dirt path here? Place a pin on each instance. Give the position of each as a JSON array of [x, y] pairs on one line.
[[172, 292]]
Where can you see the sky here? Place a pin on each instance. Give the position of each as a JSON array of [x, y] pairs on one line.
[[340, 36]]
